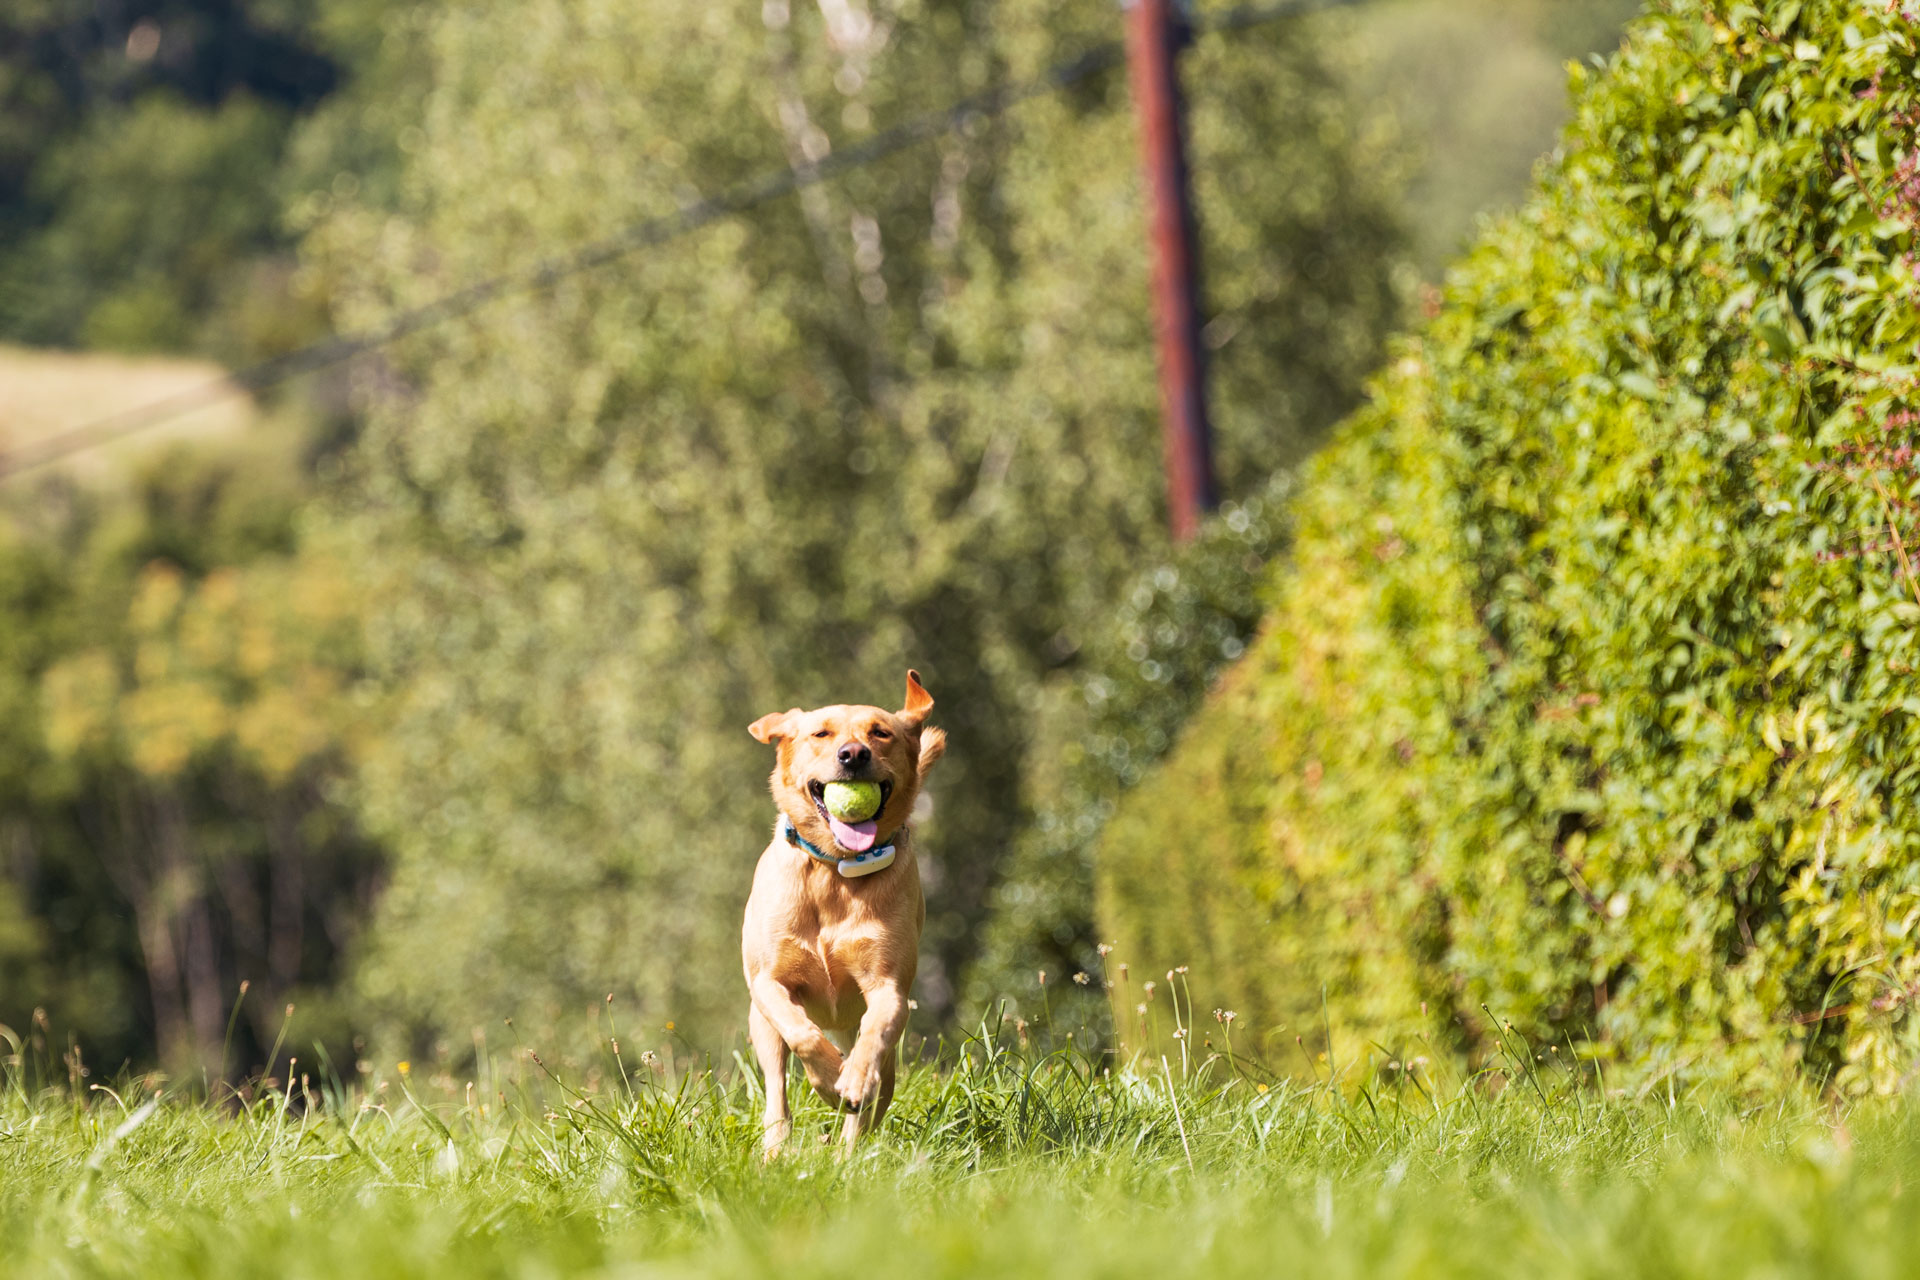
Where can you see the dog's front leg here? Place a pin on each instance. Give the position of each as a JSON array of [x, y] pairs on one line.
[[817, 1054], [861, 1079]]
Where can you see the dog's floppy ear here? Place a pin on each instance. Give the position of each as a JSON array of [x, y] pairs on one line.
[[933, 745], [919, 702], [770, 728], [933, 742]]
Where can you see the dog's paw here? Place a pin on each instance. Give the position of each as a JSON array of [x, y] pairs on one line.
[[824, 1071], [859, 1081]]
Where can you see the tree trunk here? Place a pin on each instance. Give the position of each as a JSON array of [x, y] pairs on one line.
[[118, 847], [185, 885], [287, 865]]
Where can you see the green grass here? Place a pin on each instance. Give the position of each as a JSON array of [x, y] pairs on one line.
[[1008, 1163]]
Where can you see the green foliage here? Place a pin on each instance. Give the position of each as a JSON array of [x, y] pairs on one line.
[[908, 419], [1012, 1164], [1587, 694], [144, 201], [154, 158], [141, 171], [140, 250]]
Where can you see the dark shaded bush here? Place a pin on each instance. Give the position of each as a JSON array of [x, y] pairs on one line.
[[141, 150], [1177, 626]]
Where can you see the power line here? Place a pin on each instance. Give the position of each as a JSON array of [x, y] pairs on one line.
[[641, 235]]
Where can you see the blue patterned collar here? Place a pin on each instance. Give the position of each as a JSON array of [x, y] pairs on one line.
[[860, 864]]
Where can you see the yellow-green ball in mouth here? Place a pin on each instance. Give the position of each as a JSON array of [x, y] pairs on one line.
[[851, 801]]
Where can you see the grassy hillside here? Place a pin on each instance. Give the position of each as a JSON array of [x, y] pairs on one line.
[[44, 393], [1587, 696]]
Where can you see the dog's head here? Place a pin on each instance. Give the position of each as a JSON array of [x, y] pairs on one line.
[[851, 744]]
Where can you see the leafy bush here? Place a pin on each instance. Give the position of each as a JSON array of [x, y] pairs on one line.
[[1587, 694]]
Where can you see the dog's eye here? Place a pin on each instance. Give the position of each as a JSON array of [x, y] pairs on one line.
[[881, 733], [823, 733]]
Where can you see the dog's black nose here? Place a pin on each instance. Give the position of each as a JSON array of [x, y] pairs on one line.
[[855, 754]]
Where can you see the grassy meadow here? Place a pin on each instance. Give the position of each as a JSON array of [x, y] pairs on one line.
[[999, 1160]]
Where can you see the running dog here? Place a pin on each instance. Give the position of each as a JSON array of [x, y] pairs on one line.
[[832, 929]]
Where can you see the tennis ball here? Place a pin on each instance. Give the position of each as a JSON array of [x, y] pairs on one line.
[[852, 801]]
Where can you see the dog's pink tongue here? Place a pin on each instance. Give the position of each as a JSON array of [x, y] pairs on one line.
[[855, 837]]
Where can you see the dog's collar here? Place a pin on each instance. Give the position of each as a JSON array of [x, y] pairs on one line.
[[860, 864]]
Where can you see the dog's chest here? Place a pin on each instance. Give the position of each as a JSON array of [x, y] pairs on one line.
[[827, 965], [825, 973]]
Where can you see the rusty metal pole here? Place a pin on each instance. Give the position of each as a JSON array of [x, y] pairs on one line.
[[1155, 31]]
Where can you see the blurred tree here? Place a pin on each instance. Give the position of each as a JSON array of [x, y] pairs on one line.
[[172, 683], [160, 206], [908, 417], [171, 704], [1480, 87]]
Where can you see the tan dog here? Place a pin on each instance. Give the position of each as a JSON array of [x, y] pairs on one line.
[[828, 944]]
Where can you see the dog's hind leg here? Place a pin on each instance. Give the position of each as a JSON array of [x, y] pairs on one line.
[[888, 1065], [771, 1050]]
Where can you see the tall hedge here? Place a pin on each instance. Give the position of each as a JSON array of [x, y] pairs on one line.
[[1589, 694]]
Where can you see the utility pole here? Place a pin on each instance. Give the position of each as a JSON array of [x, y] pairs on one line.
[[1155, 32]]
